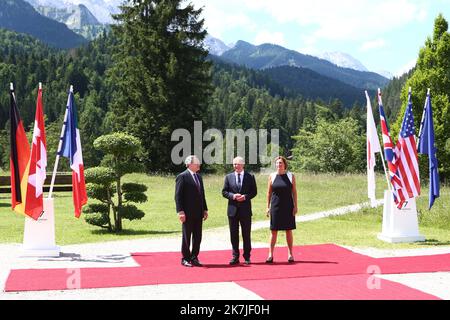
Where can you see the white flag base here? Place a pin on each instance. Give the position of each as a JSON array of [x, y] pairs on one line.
[[39, 236], [399, 225]]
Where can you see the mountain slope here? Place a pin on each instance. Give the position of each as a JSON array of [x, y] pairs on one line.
[[74, 17], [290, 81], [268, 55], [215, 46], [101, 9], [20, 16], [312, 85], [77, 17]]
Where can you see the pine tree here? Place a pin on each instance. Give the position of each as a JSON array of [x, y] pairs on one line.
[[432, 71], [161, 78]]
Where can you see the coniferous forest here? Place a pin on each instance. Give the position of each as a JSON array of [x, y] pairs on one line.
[[151, 75]]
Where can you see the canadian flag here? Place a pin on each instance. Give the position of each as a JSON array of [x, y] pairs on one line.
[[34, 204]]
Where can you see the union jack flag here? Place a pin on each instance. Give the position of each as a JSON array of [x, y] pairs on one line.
[[391, 157], [406, 152]]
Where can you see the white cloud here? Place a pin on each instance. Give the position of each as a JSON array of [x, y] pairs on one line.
[[310, 26], [345, 19], [265, 36], [373, 44], [408, 66], [222, 16]]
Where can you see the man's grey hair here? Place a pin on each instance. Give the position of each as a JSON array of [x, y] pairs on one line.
[[239, 160], [190, 159]]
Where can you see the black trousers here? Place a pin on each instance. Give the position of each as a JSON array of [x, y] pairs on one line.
[[245, 220], [192, 229]]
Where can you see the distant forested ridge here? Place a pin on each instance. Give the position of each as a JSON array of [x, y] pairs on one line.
[[312, 85]]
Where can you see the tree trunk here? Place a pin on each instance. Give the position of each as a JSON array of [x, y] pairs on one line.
[[109, 209], [119, 206]]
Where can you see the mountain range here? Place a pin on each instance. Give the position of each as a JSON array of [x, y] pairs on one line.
[[78, 18], [20, 16], [269, 55], [74, 16], [50, 21], [101, 9], [218, 47]]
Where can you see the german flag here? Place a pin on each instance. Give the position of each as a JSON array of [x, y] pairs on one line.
[[19, 157]]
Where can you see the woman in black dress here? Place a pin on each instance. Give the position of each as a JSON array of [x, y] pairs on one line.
[[281, 205]]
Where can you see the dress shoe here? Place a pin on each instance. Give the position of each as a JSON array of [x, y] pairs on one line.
[[186, 263], [234, 261], [291, 259], [269, 260], [247, 261], [196, 263]]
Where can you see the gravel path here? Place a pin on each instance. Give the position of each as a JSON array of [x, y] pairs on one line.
[[118, 253]]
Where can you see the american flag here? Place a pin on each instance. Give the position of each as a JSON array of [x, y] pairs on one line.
[[406, 152], [391, 158]]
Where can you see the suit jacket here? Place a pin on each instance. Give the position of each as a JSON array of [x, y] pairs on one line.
[[230, 188], [187, 196]]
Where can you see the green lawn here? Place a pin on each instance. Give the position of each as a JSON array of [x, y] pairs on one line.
[[315, 193], [360, 229]]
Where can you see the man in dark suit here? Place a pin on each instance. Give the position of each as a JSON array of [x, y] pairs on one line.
[[239, 188], [192, 210]]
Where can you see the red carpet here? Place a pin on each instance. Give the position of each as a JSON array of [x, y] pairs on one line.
[[350, 287], [164, 268]]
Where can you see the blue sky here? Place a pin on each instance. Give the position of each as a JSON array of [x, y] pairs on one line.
[[383, 35]]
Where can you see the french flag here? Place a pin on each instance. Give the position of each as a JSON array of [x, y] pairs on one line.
[[71, 148]]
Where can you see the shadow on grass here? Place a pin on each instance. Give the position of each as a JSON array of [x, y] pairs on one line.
[[434, 242], [131, 232]]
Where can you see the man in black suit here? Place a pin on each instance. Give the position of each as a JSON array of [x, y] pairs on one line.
[[239, 188], [192, 210]]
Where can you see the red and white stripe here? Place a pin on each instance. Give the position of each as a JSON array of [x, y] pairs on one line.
[[408, 166], [78, 182]]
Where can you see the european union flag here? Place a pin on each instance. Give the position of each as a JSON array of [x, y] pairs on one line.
[[426, 146]]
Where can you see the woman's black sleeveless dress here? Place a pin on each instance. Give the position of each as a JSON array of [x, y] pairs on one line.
[[282, 204]]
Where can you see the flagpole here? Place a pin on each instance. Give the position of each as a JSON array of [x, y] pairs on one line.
[[423, 118], [11, 88], [385, 171], [63, 129], [381, 153]]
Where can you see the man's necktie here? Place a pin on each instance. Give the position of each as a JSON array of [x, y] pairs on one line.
[[197, 182], [239, 181]]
